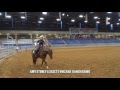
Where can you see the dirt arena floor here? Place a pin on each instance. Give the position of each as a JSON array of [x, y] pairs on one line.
[[103, 62]]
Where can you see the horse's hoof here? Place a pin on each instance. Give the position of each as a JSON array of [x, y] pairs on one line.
[[47, 67]]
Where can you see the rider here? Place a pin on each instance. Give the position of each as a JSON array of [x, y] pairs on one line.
[[40, 43]]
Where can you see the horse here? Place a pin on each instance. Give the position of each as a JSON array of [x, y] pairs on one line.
[[42, 54]]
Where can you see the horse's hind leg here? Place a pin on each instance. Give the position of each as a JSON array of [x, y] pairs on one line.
[[50, 55], [34, 59]]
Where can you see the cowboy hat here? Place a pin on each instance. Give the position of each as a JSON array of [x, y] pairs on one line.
[[41, 36]]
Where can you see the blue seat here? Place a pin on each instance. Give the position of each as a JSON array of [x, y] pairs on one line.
[[96, 41], [56, 41], [85, 41], [71, 41], [117, 41]]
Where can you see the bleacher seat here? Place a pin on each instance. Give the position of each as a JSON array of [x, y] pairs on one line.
[[27, 42], [56, 41], [85, 41], [71, 41]]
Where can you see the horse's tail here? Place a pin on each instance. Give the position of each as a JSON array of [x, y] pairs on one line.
[[50, 53]]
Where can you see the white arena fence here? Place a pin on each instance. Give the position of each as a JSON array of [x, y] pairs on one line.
[[8, 47], [7, 51]]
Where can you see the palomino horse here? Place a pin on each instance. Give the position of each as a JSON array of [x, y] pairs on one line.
[[42, 54]]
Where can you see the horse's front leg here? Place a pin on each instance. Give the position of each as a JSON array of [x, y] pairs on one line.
[[42, 63], [50, 54], [45, 63]]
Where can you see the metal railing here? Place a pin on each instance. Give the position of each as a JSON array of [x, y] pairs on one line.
[[6, 51]]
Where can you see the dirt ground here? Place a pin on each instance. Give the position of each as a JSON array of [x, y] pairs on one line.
[[103, 62]]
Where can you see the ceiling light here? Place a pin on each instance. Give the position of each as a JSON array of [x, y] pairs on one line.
[[39, 21], [91, 12], [41, 18], [58, 19], [22, 17], [8, 16], [85, 21], [95, 17], [63, 14], [0, 13], [109, 18], [109, 12], [98, 22], [81, 16], [118, 23], [44, 13], [22, 12], [67, 15], [72, 20]]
